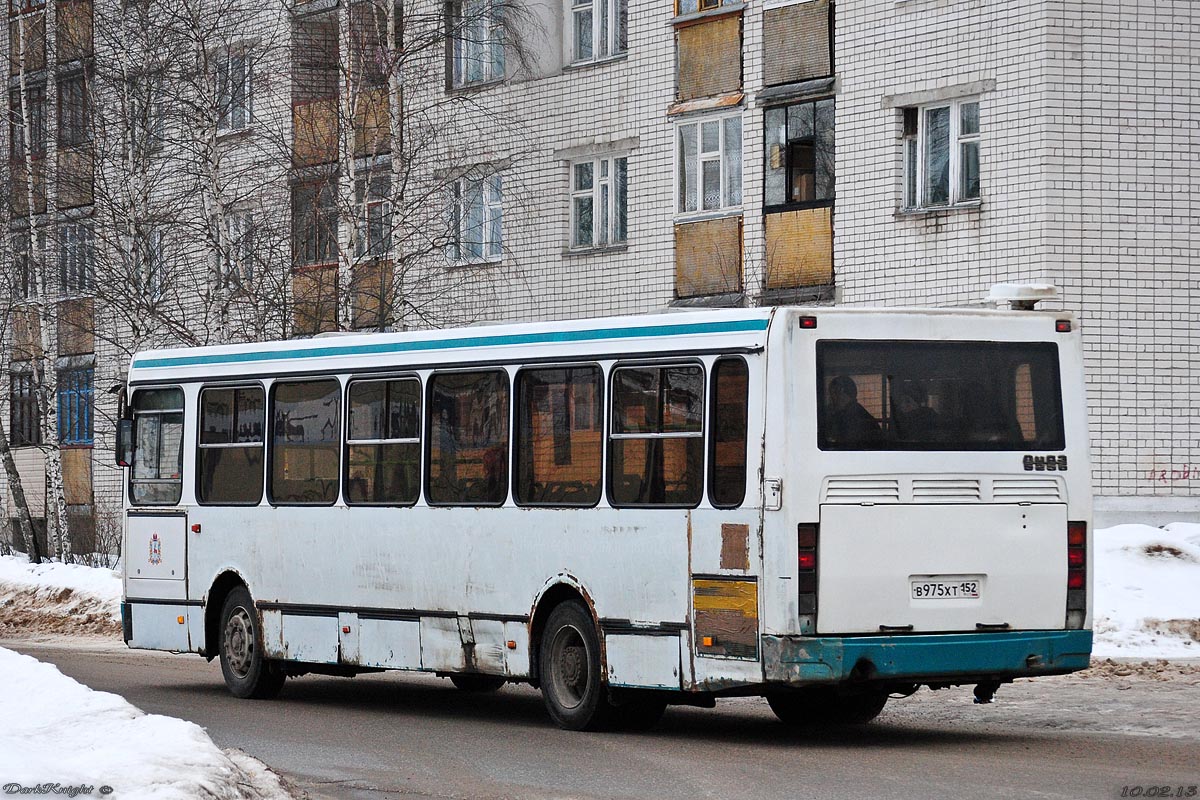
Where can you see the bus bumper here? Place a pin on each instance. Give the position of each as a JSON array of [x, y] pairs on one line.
[[921, 658]]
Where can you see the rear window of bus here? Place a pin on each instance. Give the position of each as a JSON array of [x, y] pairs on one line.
[[909, 395]]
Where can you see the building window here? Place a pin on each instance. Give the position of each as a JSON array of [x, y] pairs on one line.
[[77, 257], [599, 194], [73, 111], [75, 406], [25, 423], [231, 446], [35, 109], [152, 265], [710, 165], [477, 39], [374, 218], [24, 280], [476, 224], [597, 29], [238, 266], [146, 116], [800, 145], [692, 6], [234, 91], [941, 154], [314, 224]]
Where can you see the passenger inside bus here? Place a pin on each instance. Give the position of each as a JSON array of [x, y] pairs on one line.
[[845, 419], [915, 421]]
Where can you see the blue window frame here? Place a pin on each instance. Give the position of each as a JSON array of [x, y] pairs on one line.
[[75, 406]]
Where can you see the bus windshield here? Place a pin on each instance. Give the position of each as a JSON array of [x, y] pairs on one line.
[[916, 395]]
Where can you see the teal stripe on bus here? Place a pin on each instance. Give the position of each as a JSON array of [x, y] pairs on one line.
[[679, 329]]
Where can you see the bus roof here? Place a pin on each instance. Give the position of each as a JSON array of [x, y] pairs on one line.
[[738, 329]]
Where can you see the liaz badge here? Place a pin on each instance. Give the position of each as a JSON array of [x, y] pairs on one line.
[[155, 550]]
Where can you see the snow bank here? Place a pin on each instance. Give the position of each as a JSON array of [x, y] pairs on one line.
[[58, 598], [54, 730], [1147, 586]]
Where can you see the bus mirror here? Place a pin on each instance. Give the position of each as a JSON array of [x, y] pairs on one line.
[[125, 443]]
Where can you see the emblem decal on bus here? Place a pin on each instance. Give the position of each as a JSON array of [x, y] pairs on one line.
[[155, 550], [1045, 463]]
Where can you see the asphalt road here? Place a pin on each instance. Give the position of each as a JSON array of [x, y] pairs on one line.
[[413, 736]]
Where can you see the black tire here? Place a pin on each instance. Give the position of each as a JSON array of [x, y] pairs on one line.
[[816, 707], [477, 684], [573, 687], [248, 673]]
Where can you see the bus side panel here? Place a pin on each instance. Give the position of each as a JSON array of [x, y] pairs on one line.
[[391, 643]]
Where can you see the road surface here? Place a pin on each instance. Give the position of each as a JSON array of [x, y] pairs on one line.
[[414, 736]]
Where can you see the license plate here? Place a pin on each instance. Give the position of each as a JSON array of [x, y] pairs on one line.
[[946, 587]]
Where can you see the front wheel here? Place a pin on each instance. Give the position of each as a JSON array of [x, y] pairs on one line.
[[248, 673], [815, 707], [569, 667]]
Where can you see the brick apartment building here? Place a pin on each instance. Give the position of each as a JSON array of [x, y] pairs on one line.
[[624, 156]]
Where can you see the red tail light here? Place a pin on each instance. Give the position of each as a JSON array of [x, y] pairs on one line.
[[1076, 574], [806, 576]]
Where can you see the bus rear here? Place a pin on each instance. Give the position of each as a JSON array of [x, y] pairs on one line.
[[934, 521]]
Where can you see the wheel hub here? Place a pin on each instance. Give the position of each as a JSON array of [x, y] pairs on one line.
[[239, 642]]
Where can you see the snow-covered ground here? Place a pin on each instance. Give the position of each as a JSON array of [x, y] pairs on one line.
[[63, 737], [57, 598], [1147, 586], [1147, 583]]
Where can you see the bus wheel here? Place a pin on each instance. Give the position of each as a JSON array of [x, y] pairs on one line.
[[247, 672], [826, 707], [477, 684], [572, 686]]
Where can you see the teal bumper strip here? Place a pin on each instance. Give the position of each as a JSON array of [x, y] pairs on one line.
[[799, 659]]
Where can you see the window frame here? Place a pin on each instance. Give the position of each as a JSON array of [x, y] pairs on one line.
[[492, 252], [74, 128], [269, 462], [227, 89], [787, 167], [77, 256], [24, 408], [75, 406], [614, 45], [35, 99], [427, 435], [419, 440], [237, 262], [320, 218], [459, 57], [720, 155], [135, 413], [610, 436], [204, 387], [514, 474], [711, 443], [914, 192], [613, 208]]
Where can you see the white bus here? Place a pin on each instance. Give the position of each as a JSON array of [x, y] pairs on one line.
[[822, 506]]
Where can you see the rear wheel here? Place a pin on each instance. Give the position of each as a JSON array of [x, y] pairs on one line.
[[569, 666], [248, 673], [815, 707], [477, 684]]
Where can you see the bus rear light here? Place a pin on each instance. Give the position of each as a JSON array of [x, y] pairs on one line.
[[808, 323], [1076, 574], [1062, 326], [806, 576]]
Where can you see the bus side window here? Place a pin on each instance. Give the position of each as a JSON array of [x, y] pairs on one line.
[[383, 447], [559, 436], [656, 442], [157, 475], [305, 439], [467, 446], [727, 443], [230, 458]]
